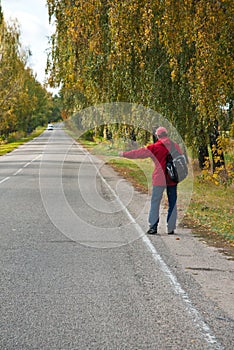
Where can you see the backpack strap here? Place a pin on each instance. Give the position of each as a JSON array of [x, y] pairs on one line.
[[172, 148]]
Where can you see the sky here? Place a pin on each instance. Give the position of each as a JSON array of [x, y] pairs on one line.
[[33, 19]]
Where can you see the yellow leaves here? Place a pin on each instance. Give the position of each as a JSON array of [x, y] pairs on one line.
[[108, 42], [147, 32], [204, 26], [173, 75], [221, 177]]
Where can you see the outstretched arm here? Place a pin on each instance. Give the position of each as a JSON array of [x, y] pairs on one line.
[[134, 154]]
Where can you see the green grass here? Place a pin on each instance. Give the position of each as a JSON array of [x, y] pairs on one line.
[[10, 146], [138, 171], [212, 208]]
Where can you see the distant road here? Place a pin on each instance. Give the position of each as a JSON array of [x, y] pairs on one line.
[[77, 271]]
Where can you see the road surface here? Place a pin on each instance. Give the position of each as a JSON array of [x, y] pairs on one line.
[[77, 270]]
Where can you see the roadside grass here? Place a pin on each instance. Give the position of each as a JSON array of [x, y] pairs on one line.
[[137, 171], [14, 142], [210, 212]]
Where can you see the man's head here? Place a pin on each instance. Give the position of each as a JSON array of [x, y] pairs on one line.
[[161, 132]]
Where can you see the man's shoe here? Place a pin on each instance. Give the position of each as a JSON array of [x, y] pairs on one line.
[[171, 232], [152, 231]]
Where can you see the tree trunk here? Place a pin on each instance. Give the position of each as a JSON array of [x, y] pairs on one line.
[[203, 156], [217, 152]]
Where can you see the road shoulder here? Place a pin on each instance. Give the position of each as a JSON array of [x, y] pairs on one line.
[[212, 270]]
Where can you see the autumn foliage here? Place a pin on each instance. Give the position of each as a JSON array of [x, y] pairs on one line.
[[175, 57], [24, 101]]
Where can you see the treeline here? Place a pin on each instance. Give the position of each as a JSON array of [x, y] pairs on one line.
[[24, 102], [175, 57]]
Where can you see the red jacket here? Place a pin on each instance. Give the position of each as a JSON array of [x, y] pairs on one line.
[[157, 152]]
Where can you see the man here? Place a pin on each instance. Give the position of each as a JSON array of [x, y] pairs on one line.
[[158, 152]]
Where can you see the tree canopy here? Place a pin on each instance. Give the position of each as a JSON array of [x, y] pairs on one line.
[[173, 56], [24, 102]]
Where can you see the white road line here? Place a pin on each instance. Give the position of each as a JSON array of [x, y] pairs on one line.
[[31, 161], [39, 155], [21, 169], [3, 180], [17, 172], [198, 320]]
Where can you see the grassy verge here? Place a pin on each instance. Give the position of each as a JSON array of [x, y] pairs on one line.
[[10, 146], [210, 213]]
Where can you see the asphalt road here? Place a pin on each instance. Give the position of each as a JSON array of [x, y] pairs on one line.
[[77, 271]]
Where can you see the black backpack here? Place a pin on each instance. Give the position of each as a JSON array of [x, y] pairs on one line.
[[176, 165]]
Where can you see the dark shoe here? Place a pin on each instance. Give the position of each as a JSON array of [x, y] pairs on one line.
[[152, 231], [171, 232]]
